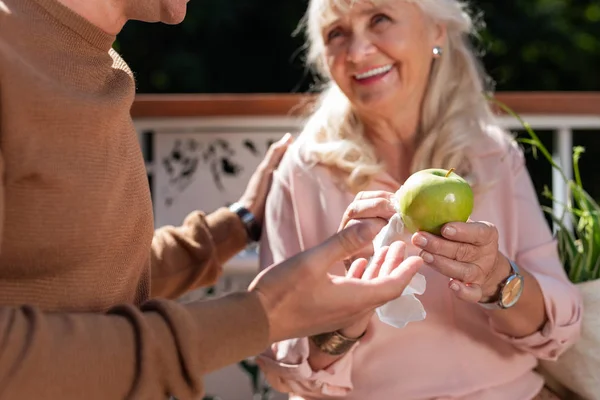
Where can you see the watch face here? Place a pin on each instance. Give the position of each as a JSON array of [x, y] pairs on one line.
[[512, 290]]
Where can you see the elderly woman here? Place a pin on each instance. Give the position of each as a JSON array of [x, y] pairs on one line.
[[404, 92]]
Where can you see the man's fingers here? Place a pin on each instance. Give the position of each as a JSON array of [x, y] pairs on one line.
[[376, 263], [260, 181], [377, 291], [357, 268], [394, 258], [390, 287], [378, 225], [343, 244], [276, 152]]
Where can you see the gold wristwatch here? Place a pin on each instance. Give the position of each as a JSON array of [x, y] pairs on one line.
[[334, 343]]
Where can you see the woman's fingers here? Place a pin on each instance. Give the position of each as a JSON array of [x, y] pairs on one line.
[[465, 272], [468, 292], [370, 204], [436, 245]]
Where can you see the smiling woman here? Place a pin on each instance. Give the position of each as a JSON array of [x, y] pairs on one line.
[[398, 45], [390, 51], [403, 92]]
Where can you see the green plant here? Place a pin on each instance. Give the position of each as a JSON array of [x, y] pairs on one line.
[[579, 249]]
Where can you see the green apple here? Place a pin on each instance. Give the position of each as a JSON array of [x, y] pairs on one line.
[[433, 197]]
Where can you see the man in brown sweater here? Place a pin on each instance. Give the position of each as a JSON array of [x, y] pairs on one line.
[[85, 281]]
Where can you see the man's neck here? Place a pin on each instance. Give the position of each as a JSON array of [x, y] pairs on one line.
[[105, 14]]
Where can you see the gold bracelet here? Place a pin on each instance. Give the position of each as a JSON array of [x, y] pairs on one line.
[[334, 343]]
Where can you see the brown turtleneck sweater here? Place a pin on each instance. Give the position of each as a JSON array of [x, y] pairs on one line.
[[78, 253]]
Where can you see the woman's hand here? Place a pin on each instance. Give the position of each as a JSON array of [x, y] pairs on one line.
[[375, 206], [467, 253]]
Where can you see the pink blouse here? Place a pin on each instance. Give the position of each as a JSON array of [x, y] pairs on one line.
[[455, 353]]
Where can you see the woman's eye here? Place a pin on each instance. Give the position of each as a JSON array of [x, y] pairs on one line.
[[334, 33], [379, 18]]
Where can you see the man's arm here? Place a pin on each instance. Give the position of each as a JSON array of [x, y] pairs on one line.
[[150, 352], [192, 255], [162, 349]]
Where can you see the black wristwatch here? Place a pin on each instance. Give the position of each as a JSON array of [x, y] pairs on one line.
[[253, 228]]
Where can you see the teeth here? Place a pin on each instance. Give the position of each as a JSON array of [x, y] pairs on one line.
[[373, 72]]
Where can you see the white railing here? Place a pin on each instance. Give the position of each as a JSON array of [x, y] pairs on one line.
[[259, 118], [562, 127]]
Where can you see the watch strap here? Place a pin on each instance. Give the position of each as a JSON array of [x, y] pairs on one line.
[[253, 229], [497, 304], [334, 343]]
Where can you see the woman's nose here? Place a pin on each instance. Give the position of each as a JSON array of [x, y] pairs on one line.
[[359, 48]]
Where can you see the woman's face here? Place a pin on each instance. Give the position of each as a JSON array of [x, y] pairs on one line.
[[380, 54]]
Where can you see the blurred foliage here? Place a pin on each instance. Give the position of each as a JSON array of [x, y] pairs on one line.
[[248, 46], [245, 46]]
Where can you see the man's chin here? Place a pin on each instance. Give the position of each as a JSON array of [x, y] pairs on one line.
[[174, 15], [173, 19]]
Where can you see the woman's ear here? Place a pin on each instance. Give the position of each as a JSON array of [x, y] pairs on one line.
[[439, 34]]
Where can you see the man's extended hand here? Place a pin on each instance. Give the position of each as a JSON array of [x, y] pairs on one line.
[[301, 298]]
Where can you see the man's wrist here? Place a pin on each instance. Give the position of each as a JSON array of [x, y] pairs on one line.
[[353, 332], [274, 335], [252, 227]]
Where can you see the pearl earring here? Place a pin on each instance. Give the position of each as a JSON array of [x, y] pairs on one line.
[[437, 51]]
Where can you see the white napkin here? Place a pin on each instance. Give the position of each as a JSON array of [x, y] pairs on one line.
[[406, 308]]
